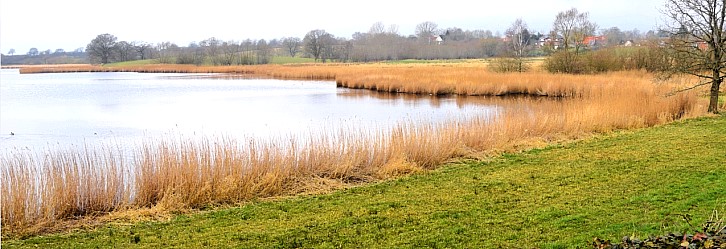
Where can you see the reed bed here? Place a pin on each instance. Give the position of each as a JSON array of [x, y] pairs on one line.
[[304, 71], [473, 81], [40, 192], [466, 79]]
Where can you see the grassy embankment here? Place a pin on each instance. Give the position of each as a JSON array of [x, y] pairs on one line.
[[61, 189], [633, 183]]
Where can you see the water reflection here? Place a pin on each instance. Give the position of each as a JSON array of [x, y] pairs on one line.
[[396, 98], [461, 102]]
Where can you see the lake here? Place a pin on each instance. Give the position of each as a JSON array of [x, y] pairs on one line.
[[76, 109]]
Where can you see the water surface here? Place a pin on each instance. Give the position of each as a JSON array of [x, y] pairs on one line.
[[72, 109]]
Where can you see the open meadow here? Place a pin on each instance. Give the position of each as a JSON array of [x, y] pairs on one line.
[[62, 190]]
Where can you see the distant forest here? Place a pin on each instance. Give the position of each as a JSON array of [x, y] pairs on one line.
[[379, 43], [33, 57]]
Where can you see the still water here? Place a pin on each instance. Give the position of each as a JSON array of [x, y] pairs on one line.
[[76, 109]]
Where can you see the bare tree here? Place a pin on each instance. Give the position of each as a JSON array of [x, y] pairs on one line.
[[125, 51], [166, 52], [491, 46], [292, 44], [573, 26], [481, 34], [455, 34], [317, 42], [247, 55], [377, 28], [344, 50], [698, 40], [425, 30], [192, 54], [229, 51], [583, 28], [613, 36], [517, 43], [264, 55], [142, 48], [211, 47], [328, 50], [101, 48], [392, 29], [11, 52], [197, 54], [632, 35]]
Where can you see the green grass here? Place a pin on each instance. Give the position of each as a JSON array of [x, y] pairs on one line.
[[290, 60], [131, 63], [419, 61], [627, 183]]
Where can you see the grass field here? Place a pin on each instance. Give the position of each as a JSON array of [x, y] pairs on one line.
[[290, 60], [131, 63], [633, 183]]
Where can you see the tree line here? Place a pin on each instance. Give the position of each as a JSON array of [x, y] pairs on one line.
[[35, 56], [380, 42]]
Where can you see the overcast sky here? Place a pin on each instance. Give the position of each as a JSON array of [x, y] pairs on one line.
[[71, 24]]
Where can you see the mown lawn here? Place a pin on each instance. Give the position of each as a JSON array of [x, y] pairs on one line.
[[628, 183]]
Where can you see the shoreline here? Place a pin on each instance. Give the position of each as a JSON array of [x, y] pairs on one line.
[[40, 66], [550, 187]]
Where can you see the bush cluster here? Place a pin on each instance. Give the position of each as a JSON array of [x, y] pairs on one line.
[[507, 65], [649, 58]]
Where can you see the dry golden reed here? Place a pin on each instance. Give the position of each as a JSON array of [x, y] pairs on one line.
[[470, 79], [40, 191]]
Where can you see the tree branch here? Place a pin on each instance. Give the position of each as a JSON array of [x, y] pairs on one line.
[[688, 88]]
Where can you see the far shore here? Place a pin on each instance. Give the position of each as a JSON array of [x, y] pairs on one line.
[[41, 66]]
